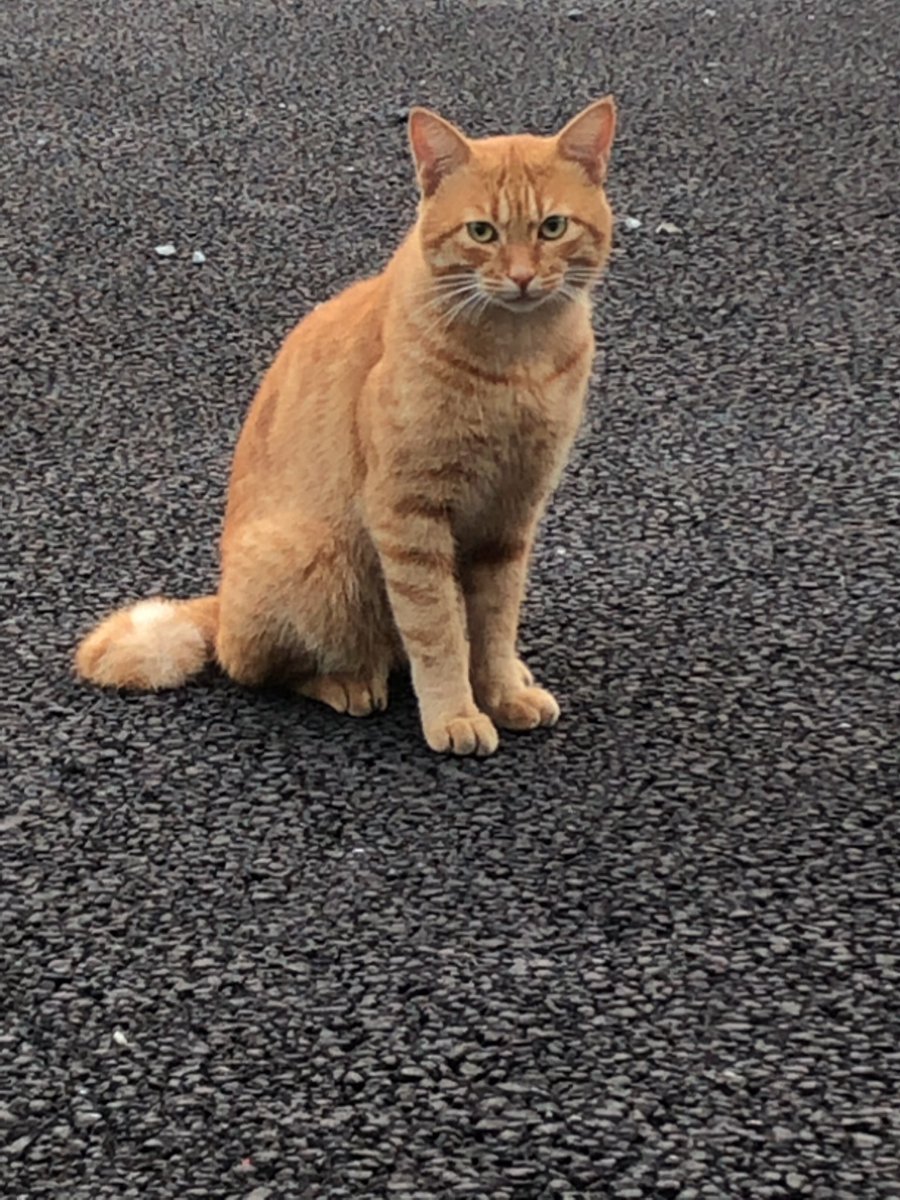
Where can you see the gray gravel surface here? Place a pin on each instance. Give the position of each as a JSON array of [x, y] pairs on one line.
[[254, 950]]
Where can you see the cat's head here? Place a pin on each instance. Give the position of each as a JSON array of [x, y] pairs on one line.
[[517, 221]]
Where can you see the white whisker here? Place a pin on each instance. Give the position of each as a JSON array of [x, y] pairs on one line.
[[451, 294], [461, 306], [449, 281], [445, 318]]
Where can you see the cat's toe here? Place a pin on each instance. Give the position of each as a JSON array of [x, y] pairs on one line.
[[360, 700], [356, 697], [463, 735], [378, 692]]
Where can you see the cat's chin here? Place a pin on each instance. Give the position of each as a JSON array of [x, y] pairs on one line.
[[522, 304]]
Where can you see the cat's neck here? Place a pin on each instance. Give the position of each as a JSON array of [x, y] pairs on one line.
[[498, 334]]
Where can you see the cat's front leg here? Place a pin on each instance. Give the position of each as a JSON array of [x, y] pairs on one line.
[[494, 573], [416, 548]]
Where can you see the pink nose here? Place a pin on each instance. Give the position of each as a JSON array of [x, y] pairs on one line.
[[522, 276]]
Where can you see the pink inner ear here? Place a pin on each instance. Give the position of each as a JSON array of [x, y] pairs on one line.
[[438, 148], [588, 138]]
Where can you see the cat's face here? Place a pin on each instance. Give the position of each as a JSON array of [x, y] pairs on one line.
[[517, 222]]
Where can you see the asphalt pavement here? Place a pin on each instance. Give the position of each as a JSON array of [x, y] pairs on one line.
[[254, 950]]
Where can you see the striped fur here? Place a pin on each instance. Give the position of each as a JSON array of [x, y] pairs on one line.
[[392, 470]]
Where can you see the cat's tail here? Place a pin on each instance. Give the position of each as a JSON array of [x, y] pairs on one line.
[[151, 645]]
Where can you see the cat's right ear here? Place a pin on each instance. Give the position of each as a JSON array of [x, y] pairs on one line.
[[438, 148]]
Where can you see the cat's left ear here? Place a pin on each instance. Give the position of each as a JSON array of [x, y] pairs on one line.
[[588, 138], [438, 148]]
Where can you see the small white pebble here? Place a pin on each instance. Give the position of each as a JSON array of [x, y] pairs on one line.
[[119, 1038], [198, 257], [632, 223], [668, 227], [165, 251]]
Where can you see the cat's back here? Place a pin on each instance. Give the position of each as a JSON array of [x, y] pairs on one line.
[[339, 337], [297, 445]]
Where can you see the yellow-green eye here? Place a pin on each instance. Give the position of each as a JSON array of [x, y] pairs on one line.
[[482, 231], [553, 227]]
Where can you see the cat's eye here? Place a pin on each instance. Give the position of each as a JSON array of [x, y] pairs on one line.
[[553, 227], [482, 231]]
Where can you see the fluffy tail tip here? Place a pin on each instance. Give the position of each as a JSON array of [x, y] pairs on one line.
[[152, 645]]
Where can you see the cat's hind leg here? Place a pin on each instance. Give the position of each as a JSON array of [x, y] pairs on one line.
[[299, 608]]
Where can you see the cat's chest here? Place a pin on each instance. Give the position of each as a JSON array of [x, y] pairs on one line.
[[505, 408], [503, 450], [473, 439]]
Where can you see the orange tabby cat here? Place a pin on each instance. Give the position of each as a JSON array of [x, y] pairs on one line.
[[400, 451]]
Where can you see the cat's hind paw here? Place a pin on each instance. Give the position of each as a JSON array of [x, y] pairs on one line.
[[357, 697]]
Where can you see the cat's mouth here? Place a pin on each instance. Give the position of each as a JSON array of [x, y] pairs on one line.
[[522, 303]]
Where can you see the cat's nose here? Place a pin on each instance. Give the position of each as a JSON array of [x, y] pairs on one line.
[[522, 276]]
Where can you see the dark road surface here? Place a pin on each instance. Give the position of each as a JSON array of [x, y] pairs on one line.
[[253, 950]]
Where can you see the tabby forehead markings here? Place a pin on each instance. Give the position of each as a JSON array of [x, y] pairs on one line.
[[516, 199]]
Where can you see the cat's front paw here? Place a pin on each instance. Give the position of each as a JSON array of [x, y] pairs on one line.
[[524, 708], [462, 735]]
